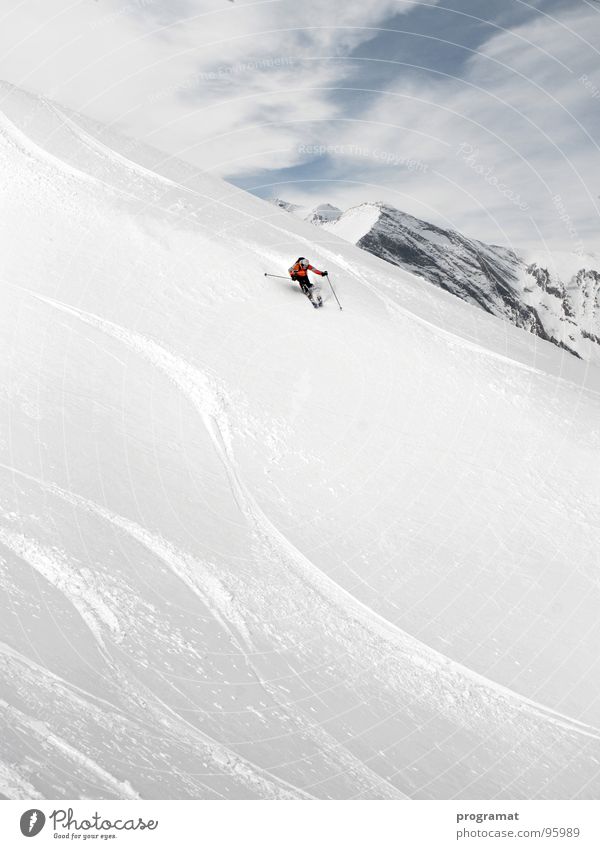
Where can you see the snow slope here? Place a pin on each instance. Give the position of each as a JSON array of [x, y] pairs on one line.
[[252, 550], [556, 296], [356, 222]]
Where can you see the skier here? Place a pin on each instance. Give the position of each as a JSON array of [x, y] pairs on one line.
[[299, 273]]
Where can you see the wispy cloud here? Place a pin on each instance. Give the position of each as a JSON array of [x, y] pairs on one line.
[[247, 89], [506, 131], [228, 84]]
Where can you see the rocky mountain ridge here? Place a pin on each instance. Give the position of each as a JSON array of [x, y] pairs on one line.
[[555, 296]]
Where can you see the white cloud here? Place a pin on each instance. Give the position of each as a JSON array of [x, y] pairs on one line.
[[226, 82], [240, 86], [531, 125]]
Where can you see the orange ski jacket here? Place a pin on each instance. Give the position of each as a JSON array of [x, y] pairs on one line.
[[298, 271]]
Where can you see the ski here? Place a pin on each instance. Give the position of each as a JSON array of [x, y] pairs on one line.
[[315, 296]]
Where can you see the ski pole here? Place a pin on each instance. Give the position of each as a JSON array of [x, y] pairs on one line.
[[279, 276], [333, 290]]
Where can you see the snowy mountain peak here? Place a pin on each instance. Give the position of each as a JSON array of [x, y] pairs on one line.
[[356, 222], [323, 213], [555, 298]]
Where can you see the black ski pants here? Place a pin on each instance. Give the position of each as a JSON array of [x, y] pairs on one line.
[[304, 282]]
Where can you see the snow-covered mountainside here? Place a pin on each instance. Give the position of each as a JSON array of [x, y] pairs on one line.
[[251, 549], [554, 296], [323, 214]]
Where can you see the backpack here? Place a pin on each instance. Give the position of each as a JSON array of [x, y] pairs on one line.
[[290, 270]]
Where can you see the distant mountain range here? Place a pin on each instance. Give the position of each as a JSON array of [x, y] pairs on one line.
[[554, 295], [322, 214]]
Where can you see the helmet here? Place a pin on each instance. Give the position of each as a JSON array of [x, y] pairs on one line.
[[304, 262]]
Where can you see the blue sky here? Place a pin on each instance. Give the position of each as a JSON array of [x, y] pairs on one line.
[[440, 54], [481, 115]]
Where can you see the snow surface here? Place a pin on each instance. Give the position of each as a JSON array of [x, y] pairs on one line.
[[253, 550], [355, 223]]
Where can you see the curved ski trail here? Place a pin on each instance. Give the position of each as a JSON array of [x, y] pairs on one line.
[[210, 401], [212, 593]]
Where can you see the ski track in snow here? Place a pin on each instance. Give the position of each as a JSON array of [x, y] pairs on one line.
[[87, 601], [24, 144], [209, 401], [78, 587], [453, 338], [39, 731], [265, 783], [110, 154], [196, 575], [15, 137], [229, 762], [215, 595], [14, 786], [205, 585], [55, 570]]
